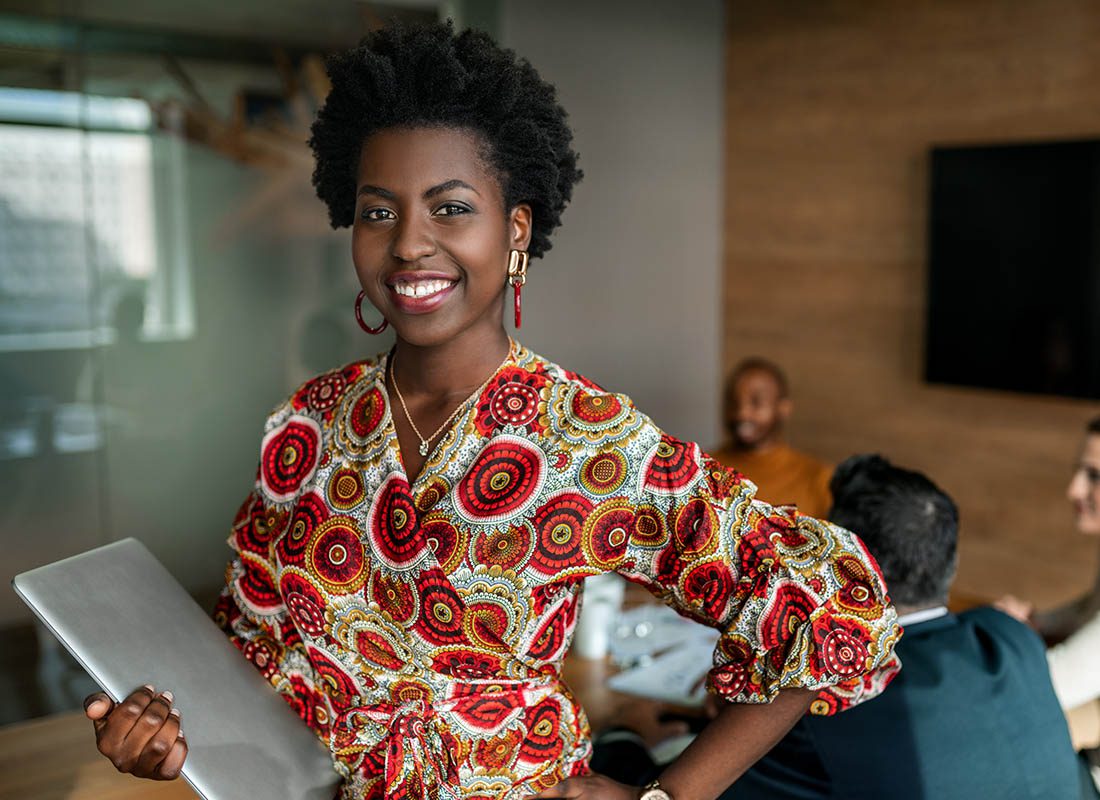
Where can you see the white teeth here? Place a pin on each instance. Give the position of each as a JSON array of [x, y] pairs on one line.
[[420, 288]]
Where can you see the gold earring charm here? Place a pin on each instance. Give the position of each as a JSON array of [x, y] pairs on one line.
[[517, 276]]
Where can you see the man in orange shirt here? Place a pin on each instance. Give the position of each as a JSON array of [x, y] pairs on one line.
[[757, 405]]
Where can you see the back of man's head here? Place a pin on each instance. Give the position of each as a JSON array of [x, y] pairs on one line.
[[907, 522]]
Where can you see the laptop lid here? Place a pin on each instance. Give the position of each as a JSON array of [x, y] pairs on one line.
[[129, 622]]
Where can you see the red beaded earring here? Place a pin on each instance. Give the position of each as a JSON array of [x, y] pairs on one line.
[[517, 276], [359, 317]]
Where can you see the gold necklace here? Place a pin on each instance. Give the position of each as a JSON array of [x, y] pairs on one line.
[[425, 443]]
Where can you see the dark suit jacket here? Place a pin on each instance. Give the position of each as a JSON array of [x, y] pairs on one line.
[[971, 715]]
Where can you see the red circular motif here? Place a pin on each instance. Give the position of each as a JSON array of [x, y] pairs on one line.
[[607, 532], [257, 587], [441, 609], [394, 595], [789, 609], [649, 527], [756, 559], [543, 743], [338, 684], [289, 456], [735, 656], [309, 512], [325, 391], [696, 527], [595, 409], [486, 624], [304, 603], [394, 532], [431, 494], [559, 531], [345, 489], [514, 404], [377, 649], [335, 555], [264, 654], [446, 542], [708, 586], [505, 547], [467, 664], [843, 654], [256, 526], [503, 480], [604, 473], [857, 593], [671, 467], [499, 753], [368, 412]]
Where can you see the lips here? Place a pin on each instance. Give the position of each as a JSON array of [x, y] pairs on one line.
[[417, 292]]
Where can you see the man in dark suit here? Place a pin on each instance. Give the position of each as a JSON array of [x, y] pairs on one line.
[[971, 715]]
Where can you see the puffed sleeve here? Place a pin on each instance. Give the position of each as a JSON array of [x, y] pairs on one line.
[[253, 606], [800, 602]]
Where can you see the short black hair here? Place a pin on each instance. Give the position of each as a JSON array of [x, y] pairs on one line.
[[427, 75], [907, 522], [763, 365]]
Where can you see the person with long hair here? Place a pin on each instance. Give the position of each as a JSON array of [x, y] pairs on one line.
[[409, 564]]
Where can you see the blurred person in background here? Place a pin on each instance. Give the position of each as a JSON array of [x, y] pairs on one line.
[[972, 713], [757, 406], [1074, 627], [410, 560]]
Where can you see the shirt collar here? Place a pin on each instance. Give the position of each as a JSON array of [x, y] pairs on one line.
[[923, 615]]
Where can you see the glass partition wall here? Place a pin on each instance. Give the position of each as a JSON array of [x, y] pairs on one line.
[[166, 277]]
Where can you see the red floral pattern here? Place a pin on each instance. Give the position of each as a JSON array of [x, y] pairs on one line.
[[420, 629]]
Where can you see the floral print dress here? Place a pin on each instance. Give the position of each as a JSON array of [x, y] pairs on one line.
[[420, 629]]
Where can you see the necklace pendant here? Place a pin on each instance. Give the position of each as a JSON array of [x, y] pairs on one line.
[[423, 448]]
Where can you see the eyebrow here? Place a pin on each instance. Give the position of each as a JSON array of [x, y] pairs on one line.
[[446, 186]]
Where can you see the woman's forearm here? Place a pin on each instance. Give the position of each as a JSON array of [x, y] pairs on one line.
[[731, 743]]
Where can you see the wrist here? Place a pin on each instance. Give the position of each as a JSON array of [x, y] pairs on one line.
[[655, 791]]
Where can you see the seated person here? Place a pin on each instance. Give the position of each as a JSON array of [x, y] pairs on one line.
[[972, 713], [1074, 627], [757, 407]]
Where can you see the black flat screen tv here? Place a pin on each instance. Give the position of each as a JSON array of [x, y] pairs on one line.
[[1014, 268]]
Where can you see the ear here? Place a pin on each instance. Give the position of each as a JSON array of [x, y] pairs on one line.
[[520, 219], [784, 408]]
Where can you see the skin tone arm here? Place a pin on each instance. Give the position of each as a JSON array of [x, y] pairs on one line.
[[739, 736], [141, 735]]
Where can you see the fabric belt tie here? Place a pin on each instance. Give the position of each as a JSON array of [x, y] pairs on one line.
[[416, 747]]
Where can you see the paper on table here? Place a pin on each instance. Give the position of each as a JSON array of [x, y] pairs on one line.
[[644, 631], [674, 676]]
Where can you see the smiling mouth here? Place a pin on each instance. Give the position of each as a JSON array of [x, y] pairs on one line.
[[420, 289]]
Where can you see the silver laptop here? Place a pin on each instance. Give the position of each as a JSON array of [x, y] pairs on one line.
[[128, 622]]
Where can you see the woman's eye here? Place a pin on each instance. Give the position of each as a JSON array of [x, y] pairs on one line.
[[377, 214], [1092, 475], [451, 210]]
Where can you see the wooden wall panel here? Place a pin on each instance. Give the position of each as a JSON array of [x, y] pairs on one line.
[[832, 107]]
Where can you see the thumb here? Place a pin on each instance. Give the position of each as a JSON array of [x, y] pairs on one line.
[[97, 706]]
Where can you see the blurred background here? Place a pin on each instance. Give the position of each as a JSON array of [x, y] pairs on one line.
[[758, 182], [167, 275]]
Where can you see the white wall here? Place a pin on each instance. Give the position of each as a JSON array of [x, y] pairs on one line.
[[630, 293]]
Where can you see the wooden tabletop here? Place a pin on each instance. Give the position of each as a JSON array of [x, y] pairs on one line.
[[55, 758]]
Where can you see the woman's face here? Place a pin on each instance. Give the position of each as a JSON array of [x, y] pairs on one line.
[[431, 235], [1084, 488]]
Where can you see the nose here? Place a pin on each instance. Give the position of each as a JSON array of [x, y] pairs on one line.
[[412, 240], [1078, 488]]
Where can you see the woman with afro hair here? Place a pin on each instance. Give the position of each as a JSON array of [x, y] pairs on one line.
[[409, 564]]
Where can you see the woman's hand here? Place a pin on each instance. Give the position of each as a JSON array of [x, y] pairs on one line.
[[141, 735], [591, 787]]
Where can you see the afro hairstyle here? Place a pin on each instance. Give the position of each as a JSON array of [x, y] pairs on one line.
[[427, 75]]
